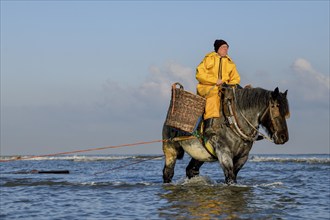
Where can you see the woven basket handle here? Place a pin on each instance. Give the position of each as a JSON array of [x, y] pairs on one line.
[[174, 86]]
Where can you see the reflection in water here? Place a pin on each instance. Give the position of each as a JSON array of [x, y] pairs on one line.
[[200, 201]]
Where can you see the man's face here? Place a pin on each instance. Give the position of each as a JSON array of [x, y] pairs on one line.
[[223, 50]]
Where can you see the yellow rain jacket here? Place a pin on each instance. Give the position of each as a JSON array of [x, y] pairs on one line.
[[207, 74]]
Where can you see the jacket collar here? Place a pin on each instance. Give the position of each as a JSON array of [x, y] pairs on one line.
[[217, 55]]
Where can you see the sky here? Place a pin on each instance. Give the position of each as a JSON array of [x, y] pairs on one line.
[[79, 75]]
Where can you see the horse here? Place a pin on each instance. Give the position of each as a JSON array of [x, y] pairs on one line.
[[242, 112]]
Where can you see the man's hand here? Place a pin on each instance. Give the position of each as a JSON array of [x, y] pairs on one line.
[[219, 82]]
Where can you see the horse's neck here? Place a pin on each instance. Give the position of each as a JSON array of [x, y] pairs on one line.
[[250, 107]]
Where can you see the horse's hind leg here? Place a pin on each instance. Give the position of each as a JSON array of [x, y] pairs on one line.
[[193, 168], [171, 154]]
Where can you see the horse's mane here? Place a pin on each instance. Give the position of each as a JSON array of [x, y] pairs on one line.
[[252, 97], [258, 97]]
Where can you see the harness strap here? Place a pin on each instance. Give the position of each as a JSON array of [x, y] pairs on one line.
[[230, 113], [232, 120]]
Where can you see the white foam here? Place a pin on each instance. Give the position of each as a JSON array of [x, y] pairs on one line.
[[273, 185], [197, 180], [295, 159]]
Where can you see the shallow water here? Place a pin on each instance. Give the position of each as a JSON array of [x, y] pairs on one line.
[[112, 187]]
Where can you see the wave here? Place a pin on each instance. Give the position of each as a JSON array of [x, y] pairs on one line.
[[291, 159], [198, 181]]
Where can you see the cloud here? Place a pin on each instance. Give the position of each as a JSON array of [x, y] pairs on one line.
[[150, 99], [309, 83], [306, 71], [152, 96], [159, 80]]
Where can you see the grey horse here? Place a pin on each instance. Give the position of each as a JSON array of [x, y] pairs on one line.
[[241, 114]]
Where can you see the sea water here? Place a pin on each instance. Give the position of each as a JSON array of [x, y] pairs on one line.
[[130, 187]]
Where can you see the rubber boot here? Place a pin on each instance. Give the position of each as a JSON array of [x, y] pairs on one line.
[[208, 128]]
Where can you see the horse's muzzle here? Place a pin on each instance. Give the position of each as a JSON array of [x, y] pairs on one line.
[[280, 138]]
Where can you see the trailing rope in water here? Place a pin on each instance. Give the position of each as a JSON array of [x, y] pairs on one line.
[[126, 165], [81, 151]]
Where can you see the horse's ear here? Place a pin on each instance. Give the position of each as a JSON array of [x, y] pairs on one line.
[[285, 93], [275, 93]]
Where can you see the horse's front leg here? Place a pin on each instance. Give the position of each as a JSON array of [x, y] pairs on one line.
[[193, 168], [239, 163], [227, 166]]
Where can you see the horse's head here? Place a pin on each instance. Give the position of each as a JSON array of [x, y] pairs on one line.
[[274, 118]]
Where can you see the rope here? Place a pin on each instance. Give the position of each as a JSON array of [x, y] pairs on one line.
[[251, 125], [81, 151], [263, 135], [126, 165]]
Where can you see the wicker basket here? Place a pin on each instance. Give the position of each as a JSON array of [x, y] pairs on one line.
[[185, 109]]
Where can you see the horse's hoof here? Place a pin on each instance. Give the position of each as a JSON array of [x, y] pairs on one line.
[[192, 173], [230, 182], [167, 181]]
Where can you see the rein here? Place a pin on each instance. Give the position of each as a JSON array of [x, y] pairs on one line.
[[263, 135], [232, 119]]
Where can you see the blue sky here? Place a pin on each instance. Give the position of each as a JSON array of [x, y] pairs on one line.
[[84, 74]]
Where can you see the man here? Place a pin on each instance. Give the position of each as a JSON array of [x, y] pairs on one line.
[[215, 69]]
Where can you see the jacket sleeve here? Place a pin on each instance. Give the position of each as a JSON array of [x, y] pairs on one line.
[[204, 72], [235, 77]]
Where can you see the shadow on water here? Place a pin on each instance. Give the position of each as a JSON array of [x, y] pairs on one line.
[[205, 201]]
